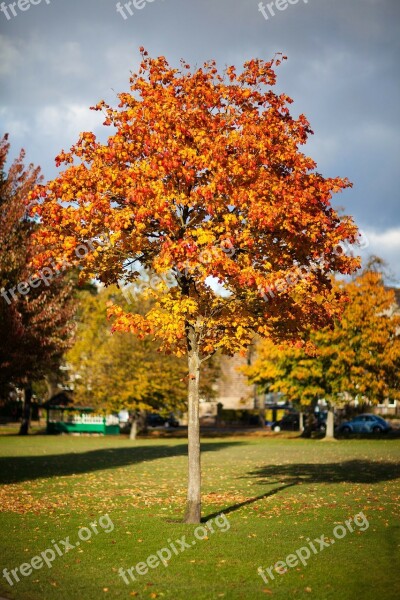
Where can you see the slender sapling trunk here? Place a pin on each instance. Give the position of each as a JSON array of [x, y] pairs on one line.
[[330, 424], [193, 506]]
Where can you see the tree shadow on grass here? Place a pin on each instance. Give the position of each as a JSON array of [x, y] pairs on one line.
[[349, 471], [16, 469], [234, 507], [289, 475]]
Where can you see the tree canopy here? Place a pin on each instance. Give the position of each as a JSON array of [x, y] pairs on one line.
[[35, 316], [360, 357], [116, 371], [198, 163]]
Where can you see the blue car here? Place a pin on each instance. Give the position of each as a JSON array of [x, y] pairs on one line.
[[365, 424]]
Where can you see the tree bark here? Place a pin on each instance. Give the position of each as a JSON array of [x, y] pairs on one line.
[[193, 506], [133, 431], [301, 421], [26, 413], [330, 424]]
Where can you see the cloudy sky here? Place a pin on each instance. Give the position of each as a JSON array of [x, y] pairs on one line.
[[58, 57]]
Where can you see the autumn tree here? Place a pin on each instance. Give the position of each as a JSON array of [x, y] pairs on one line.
[[286, 369], [358, 358], [202, 178], [361, 355], [35, 317], [296, 372], [119, 371]]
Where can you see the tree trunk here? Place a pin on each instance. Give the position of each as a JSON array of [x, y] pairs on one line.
[[193, 506], [133, 431], [26, 413], [261, 417], [301, 421], [330, 424]]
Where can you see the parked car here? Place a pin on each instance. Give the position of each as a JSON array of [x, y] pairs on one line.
[[156, 420], [291, 422], [319, 422], [365, 423]]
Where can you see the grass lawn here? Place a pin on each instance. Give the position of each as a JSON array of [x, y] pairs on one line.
[[275, 493]]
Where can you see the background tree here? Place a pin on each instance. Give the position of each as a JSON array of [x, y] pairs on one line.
[[119, 371], [202, 179], [360, 357], [35, 327], [287, 369]]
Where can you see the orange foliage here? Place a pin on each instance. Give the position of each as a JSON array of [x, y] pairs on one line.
[[198, 160]]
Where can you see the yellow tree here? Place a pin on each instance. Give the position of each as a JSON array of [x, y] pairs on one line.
[[360, 356], [203, 183], [287, 369], [118, 371]]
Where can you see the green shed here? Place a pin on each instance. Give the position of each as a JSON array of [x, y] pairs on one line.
[[63, 417]]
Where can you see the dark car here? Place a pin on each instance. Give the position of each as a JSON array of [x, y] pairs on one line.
[[156, 420], [320, 422], [291, 422], [365, 423]]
